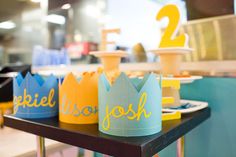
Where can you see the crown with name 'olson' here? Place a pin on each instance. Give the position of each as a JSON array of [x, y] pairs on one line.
[[78, 99]]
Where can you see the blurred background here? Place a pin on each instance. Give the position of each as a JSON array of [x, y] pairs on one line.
[[49, 34], [66, 30]]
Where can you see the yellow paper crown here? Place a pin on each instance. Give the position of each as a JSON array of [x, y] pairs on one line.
[[78, 99]]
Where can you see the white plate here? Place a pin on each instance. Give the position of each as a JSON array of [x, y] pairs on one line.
[[183, 80], [172, 50], [197, 105]]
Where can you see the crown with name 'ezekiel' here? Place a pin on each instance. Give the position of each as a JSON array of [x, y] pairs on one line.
[[128, 107], [35, 96], [78, 99]]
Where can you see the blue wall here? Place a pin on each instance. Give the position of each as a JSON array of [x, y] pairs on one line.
[[215, 137]]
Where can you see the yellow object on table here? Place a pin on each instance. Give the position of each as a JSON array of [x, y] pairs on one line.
[[4, 107], [171, 116], [169, 96]]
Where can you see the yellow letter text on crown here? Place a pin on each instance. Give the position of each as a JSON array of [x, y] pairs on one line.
[[119, 111]]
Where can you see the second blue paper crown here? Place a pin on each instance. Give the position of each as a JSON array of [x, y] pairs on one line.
[[35, 97], [130, 108]]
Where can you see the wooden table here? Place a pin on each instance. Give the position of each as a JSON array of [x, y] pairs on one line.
[[88, 136]]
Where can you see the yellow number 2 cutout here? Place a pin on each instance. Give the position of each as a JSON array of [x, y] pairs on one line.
[[169, 38]]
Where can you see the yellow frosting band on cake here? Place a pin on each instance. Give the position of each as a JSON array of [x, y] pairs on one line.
[[168, 100], [171, 83]]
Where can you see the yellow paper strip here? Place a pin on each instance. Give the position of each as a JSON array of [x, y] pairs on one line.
[[168, 100], [171, 116], [171, 83]]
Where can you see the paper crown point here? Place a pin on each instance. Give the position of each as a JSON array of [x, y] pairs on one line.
[[123, 80], [34, 96], [35, 79], [129, 108], [78, 99], [68, 80]]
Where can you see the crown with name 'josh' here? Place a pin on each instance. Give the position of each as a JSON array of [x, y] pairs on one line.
[[128, 108]]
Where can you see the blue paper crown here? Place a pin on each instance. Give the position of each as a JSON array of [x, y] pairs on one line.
[[35, 97], [130, 107]]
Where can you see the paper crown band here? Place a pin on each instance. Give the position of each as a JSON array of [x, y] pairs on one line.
[[129, 108], [78, 99], [35, 97]]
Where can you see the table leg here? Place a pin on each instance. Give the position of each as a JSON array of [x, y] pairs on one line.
[[180, 147], [40, 146]]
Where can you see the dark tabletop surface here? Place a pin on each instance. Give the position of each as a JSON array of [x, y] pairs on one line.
[[88, 136]]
